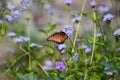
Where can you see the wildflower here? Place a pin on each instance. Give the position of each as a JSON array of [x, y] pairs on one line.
[[108, 17], [68, 29], [93, 3], [17, 40], [75, 56], [22, 5], [61, 47], [59, 65], [9, 18], [87, 50], [11, 34], [25, 39], [33, 45], [76, 19], [102, 9], [17, 14], [67, 2], [48, 65], [109, 73], [117, 32], [99, 35], [10, 6], [1, 22]]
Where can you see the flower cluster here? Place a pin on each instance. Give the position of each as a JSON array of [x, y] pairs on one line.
[[48, 65], [93, 4], [68, 2], [61, 47], [59, 65], [99, 35], [11, 34], [108, 17], [68, 30], [102, 9], [85, 48], [20, 39], [15, 11], [75, 17], [75, 56]]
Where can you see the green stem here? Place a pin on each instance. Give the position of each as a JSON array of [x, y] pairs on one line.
[[29, 51], [78, 25], [94, 36]]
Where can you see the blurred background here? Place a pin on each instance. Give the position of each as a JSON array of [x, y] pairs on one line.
[[40, 16]]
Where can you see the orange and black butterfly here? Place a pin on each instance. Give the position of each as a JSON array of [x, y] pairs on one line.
[[58, 37]]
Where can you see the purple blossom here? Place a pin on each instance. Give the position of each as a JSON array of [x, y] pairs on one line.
[[33, 45], [93, 3], [11, 34], [68, 2], [9, 18], [23, 4], [109, 73], [68, 29], [17, 14], [117, 32], [17, 40], [59, 65], [75, 56], [102, 9], [61, 47], [48, 65], [76, 18], [108, 17], [87, 50], [99, 35], [25, 39], [10, 6]]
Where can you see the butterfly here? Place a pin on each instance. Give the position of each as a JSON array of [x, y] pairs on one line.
[[58, 37]]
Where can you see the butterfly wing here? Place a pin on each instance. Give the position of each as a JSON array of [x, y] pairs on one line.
[[58, 37]]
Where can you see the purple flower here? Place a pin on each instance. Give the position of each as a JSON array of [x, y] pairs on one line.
[[93, 3], [61, 47], [9, 18], [68, 29], [48, 65], [108, 17], [117, 32], [25, 39], [17, 40], [11, 34], [102, 9], [33, 45], [99, 35], [10, 6], [87, 50], [109, 73], [67, 2], [1, 22], [17, 14], [23, 4], [59, 65], [75, 56], [76, 18]]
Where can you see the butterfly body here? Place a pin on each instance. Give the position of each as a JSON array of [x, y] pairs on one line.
[[58, 37]]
